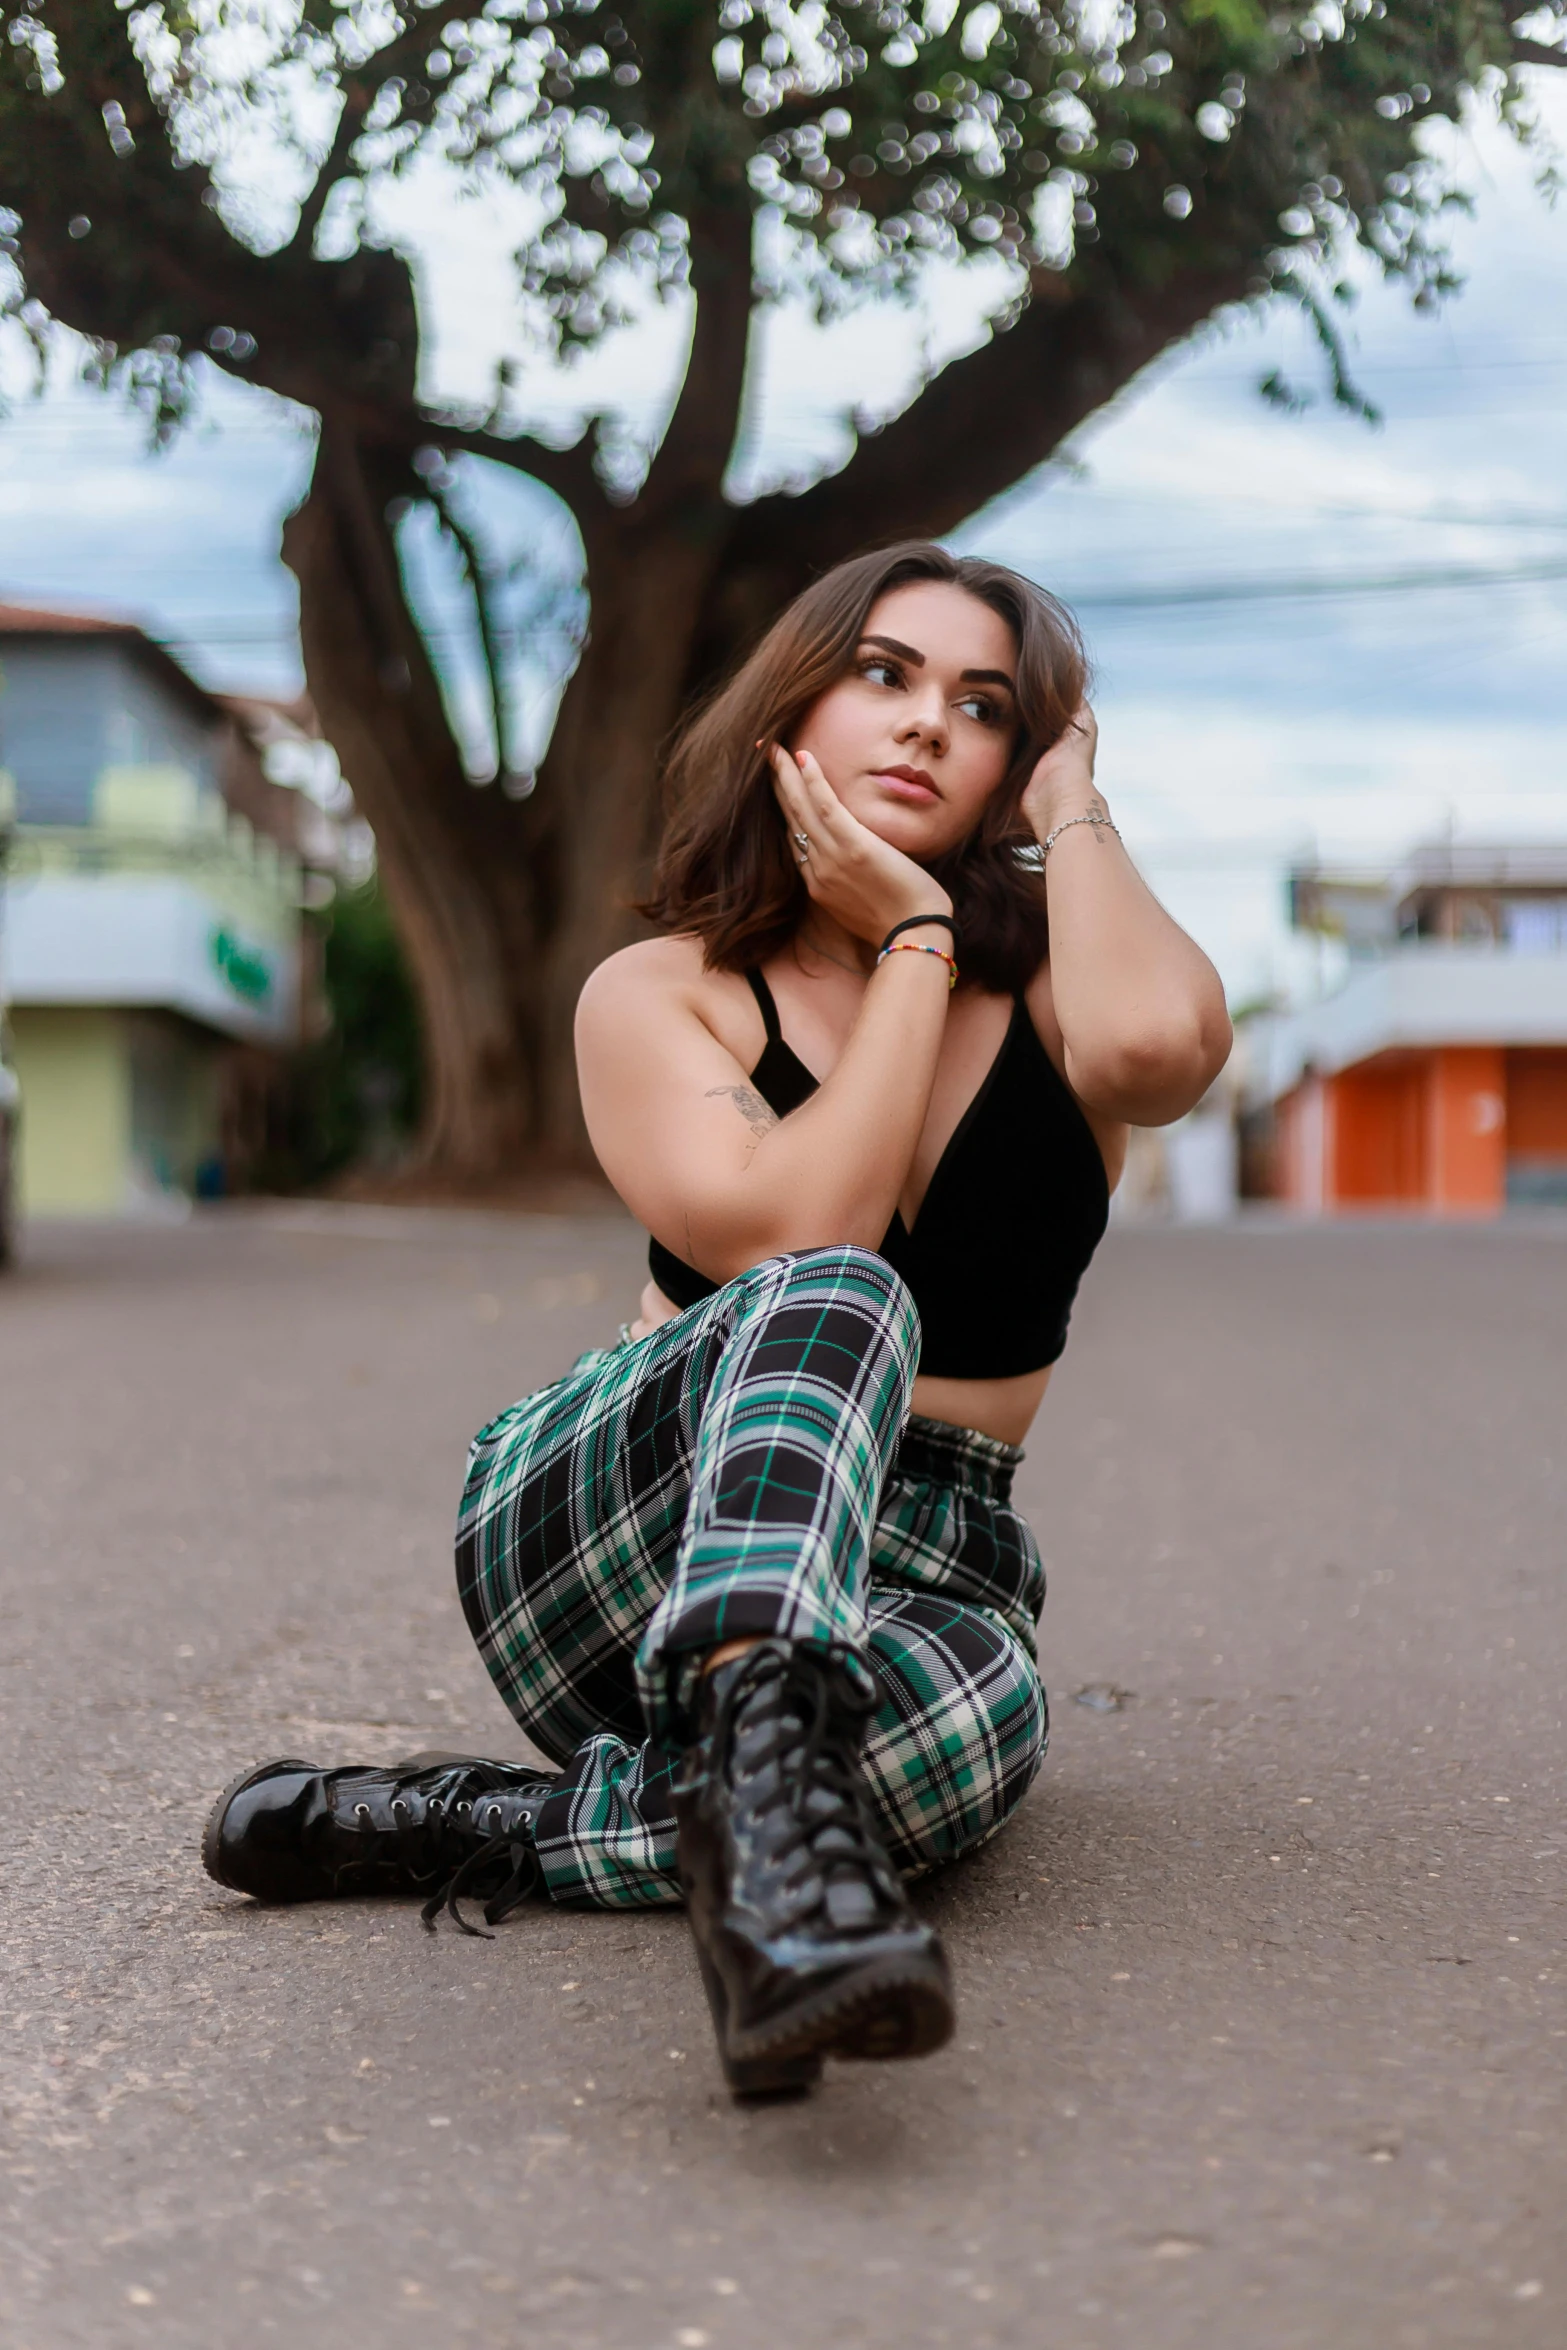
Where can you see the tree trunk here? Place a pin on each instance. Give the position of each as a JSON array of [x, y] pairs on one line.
[[598, 789], [503, 906], [441, 845]]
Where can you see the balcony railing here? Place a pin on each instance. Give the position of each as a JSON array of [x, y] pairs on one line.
[[231, 859]]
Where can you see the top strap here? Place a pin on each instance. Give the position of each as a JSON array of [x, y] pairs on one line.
[[765, 1005]]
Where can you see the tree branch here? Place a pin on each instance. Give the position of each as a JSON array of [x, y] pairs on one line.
[[982, 424], [338, 337], [420, 37], [568, 472], [474, 564], [350, 123], [694, 454], [1536, 53]]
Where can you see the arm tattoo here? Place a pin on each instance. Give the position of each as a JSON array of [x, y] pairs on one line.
[[756, 1113]]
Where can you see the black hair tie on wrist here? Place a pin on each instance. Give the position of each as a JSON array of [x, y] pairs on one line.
[[916, 922]]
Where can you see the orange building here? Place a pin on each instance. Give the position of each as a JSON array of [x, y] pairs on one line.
[[1434, 1079]]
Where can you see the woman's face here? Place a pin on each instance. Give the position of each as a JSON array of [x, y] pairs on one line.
[[918, 735]]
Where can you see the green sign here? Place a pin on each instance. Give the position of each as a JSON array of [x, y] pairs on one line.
[[247, 973]]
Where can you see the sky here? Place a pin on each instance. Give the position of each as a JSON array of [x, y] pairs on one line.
[[1310, 636]]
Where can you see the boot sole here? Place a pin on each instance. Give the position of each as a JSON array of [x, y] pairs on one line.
[[900, 2009]]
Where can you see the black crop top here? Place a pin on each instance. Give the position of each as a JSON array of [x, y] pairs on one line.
[[1016, 1206]]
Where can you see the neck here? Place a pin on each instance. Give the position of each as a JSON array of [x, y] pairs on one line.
[[821, 939]]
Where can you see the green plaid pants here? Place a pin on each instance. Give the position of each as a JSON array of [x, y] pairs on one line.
[[750, 1468]]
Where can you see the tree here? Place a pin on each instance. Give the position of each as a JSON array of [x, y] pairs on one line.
[[1132, 168]]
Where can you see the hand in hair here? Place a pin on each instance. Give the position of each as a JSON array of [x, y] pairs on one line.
[[848, 870], [1062, 783]]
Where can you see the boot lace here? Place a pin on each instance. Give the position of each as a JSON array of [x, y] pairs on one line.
[[526, 1879], [453, 1811], [819, 1702]]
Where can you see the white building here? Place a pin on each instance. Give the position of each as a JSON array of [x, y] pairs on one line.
[[1434, 1078], [152, 941]]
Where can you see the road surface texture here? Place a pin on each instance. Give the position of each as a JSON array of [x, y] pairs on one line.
[[1262, 2027]]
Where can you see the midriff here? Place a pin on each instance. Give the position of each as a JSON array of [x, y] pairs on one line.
[[1002, 1408]]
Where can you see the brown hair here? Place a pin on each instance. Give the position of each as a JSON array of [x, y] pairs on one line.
[[724, 872]]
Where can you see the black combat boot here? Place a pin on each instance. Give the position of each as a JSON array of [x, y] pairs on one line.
[[437, 1824], [805, 1937]]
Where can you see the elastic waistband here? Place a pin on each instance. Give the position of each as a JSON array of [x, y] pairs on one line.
[[981, 1465]]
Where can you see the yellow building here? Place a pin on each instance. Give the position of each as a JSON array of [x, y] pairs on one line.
[[152, 933]]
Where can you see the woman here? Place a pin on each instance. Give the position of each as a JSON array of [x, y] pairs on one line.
[[752, 1576]]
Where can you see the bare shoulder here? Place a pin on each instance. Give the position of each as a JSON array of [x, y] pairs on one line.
[[653, 972], [661, 963], [659, 995]]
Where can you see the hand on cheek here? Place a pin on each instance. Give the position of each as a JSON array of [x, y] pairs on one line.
[[803, 749]]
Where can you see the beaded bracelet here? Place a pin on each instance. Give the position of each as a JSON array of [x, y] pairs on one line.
[[919, 922], [917, 946]]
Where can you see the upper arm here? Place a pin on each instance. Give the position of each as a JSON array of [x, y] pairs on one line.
[[669, 1107]]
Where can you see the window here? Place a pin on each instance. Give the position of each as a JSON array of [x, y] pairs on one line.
[[1537, 926]]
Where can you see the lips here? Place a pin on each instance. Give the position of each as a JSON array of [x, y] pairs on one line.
[[908, 783]]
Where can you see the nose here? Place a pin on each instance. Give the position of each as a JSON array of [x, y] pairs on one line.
[[925, 719]]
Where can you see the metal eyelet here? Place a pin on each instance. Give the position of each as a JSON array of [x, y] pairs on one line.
[[399, 1808], [361, 1811]]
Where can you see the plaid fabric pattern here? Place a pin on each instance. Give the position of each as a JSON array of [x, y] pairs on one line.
[[744, 1469]]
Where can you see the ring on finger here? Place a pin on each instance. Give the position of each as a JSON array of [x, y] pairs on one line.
[[802, 841]]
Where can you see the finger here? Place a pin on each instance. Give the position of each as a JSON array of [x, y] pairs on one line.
[[804, 793], [797, 824], [824, 802], [791, 784], [834, 825], [803, 812], [792, 802]]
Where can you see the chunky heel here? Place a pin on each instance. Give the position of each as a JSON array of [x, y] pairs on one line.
[[754, 2076], [773, 2078]]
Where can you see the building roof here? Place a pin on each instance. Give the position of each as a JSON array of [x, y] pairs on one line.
[[34, 620], [270, 718], [38, 621], [1479, 864], [1428, 993], [1326, 886]]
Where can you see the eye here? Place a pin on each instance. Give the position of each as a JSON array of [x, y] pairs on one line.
[[880, 671], [982, 708]]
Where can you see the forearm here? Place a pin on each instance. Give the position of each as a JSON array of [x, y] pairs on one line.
[[1140, 1006], [832, 1171]]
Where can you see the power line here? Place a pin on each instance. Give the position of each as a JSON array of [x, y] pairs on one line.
[[1443, 517], [242, 633], [1245, 591], [1176, 596]]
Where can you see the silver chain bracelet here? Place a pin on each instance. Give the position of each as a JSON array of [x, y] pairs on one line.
[[1099, 823]]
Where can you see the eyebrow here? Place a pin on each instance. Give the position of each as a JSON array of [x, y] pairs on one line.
[[917, 661]]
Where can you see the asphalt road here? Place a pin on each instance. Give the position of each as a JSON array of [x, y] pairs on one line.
[[1262, 2020]]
